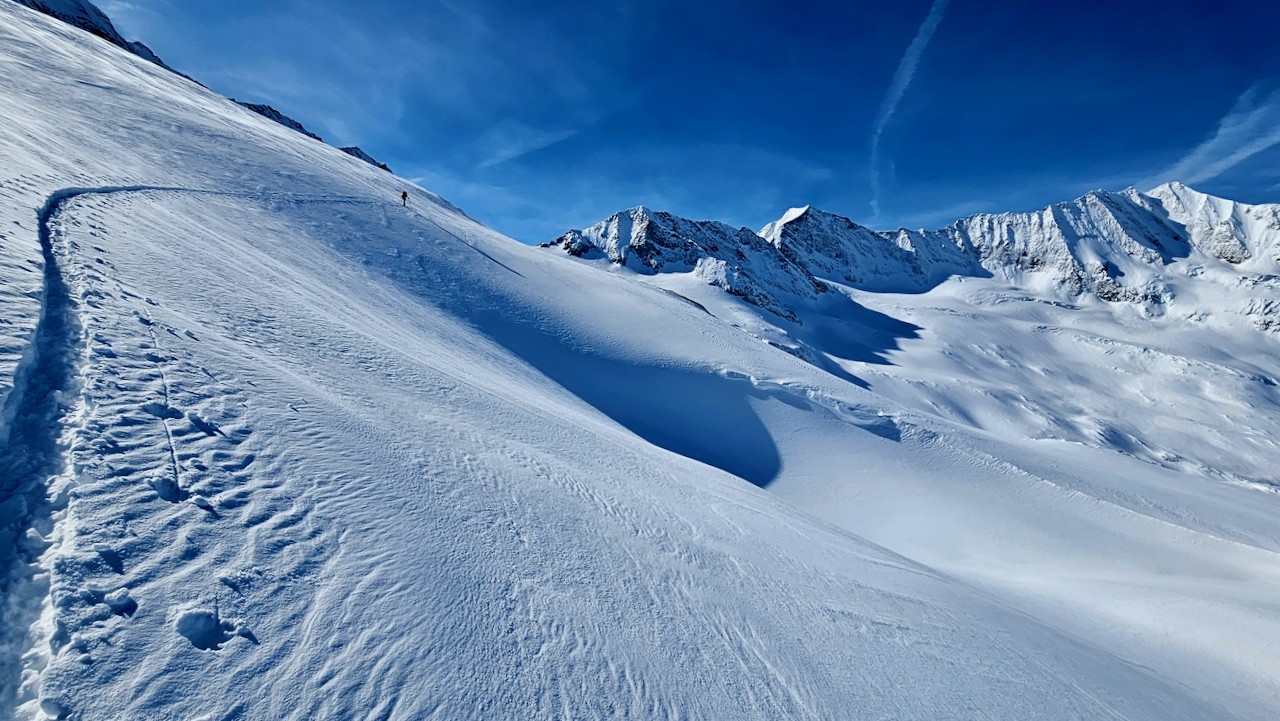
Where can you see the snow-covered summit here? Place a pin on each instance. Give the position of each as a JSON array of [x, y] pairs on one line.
[[1247, 236], [736, 260], [836, 248]]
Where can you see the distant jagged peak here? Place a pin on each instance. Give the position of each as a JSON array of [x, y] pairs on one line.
[[271, 113], [813, 219], [1178, 189], [835, 248], [737, 260], [770, 231], [355, 152]]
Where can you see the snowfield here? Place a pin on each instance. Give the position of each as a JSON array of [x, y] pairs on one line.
[[275, 447]]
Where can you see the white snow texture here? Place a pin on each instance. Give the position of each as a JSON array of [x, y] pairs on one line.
[[276, 447]]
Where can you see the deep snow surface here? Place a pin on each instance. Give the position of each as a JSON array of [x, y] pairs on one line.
[[277, 447]]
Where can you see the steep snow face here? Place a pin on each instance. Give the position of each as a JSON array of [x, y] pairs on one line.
[[86, 16], [1243, 235], [735, 260], [1103, 244], [834, 247]]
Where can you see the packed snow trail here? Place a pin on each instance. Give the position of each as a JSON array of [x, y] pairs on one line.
[[33, 454], [34, 473], [33, 464]]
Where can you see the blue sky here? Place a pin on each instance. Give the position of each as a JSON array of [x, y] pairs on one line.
[[539, 117]]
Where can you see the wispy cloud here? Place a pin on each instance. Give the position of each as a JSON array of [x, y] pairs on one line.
[[897, 89], [1252, 126], [511, 139]]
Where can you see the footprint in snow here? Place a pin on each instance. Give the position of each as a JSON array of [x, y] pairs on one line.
[[207, 631], [119, 601], [160, 410], [109, 556], [168, 489]]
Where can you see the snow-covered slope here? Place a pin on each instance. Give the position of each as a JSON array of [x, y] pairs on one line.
[[1176, 281], [1120, 347], [278, 447], [86, 16]]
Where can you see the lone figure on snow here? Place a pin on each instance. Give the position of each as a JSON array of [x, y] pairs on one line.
[[404, 198]]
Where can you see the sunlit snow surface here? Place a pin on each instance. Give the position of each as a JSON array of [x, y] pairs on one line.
[[315, 455]]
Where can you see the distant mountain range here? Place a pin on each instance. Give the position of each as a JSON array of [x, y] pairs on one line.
[[1151, 249]]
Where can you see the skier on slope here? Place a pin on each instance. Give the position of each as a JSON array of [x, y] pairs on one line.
[[404, 198]]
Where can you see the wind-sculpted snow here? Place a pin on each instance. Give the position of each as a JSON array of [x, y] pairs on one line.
[[332, 457]]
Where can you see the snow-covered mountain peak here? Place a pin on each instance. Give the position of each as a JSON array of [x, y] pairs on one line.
[[805, 216], [791, 215], [834, 247], [1244, 235], [737, 260]]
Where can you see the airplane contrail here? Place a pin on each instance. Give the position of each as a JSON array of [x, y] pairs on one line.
[[897, 89]]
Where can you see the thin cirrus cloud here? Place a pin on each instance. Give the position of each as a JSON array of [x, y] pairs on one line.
[[510, 140], [1251, 127], [897, 90]]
